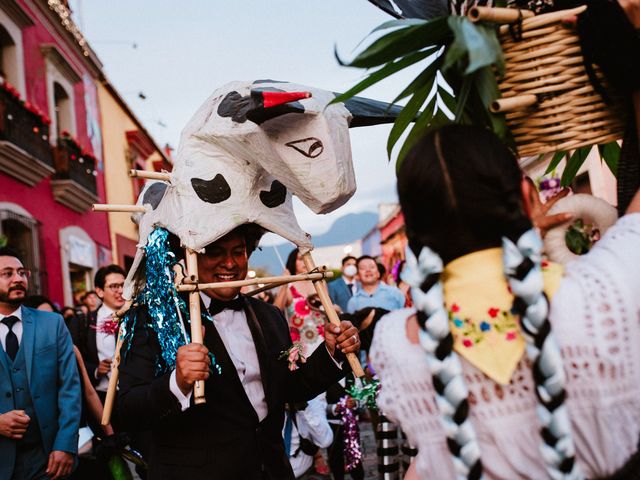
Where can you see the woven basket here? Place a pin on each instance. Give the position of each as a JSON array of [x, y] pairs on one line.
[[549, 103]]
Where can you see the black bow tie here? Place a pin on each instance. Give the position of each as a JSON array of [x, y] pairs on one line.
[[216, 306]]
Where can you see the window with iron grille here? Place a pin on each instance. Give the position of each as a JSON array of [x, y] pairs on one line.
[[22, 235]]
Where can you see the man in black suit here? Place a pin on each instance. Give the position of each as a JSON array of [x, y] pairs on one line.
[[99, 342], [237, 434]]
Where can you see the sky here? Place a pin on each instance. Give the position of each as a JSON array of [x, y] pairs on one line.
[[187, 49]]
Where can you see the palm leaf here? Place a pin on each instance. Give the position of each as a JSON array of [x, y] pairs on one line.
[[555, 161], [573, 165], [610, 153], [401, 42], [382, 73]]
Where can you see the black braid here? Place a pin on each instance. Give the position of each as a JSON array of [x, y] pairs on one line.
[[519, 307]]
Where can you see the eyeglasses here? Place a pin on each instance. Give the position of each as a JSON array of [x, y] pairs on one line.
[[114, 287], [8, 273]]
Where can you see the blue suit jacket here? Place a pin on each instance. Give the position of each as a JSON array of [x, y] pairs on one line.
[[339, 293], [54, 383]]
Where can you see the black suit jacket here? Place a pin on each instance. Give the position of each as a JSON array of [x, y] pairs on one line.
[[89, 349], [223, 438]]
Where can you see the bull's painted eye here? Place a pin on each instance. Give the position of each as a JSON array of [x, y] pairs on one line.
[[310, 147]]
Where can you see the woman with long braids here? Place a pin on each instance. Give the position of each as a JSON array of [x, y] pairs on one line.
[[507, 367]]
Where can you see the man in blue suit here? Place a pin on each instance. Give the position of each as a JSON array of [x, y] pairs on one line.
[[343, 288], [40, 396]]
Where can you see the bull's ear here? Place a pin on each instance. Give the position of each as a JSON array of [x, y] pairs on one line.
[[267, 104], [365, 111]]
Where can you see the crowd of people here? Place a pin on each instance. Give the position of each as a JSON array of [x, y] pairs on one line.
[[57, 367], [492, 362]]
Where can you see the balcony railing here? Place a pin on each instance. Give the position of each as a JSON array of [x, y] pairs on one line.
[[25, 152], [74, 183]]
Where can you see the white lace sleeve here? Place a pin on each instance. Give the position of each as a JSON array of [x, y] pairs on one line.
[[618, 251], [596, 317], [406, 395]]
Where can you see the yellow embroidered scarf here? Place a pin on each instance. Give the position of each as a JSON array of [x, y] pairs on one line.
[[478, 300]]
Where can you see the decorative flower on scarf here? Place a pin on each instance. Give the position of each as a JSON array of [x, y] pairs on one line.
[[293, 355], [499, 321]]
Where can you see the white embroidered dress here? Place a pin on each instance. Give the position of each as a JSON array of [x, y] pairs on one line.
[[595, 316]]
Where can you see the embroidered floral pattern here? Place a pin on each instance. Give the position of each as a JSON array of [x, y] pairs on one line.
[[306, 325], [500, 322]]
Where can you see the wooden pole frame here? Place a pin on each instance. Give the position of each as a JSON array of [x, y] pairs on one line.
[[113, 207], [146, 174], [195, 318], [497, 14], [323, 295], [279, 280], [115, 365]]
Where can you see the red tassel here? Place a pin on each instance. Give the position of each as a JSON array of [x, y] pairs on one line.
[[273, 99]]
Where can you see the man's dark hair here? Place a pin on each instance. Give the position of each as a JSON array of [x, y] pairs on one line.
[[251, 232], [10, 252], [459, 189], [101, 274], [291, 261], [364, 257], [347, 258], [86, 294]]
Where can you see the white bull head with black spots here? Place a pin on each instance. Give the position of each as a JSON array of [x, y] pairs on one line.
[[246, 151]]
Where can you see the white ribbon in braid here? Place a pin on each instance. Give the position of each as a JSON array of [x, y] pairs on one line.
[[444, 363], [524, 274]]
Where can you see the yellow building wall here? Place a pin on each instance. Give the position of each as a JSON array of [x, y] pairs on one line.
[[119, 187]]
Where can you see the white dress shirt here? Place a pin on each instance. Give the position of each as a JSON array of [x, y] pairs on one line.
[[105, 344], [17, 328], [235, 334], [311, 423]]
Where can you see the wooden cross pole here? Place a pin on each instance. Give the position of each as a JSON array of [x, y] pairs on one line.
[[194, 316], [115, 364], [323, 295], [272, 281]]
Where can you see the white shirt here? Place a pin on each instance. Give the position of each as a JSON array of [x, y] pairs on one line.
[[17, 328], [595, 316], [105, 344], [235, 334], [311, 424]]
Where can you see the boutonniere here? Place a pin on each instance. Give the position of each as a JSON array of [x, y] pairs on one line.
[[293, 355], [108, 326]]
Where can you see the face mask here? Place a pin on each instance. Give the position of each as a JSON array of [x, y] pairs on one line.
[[350, 270]]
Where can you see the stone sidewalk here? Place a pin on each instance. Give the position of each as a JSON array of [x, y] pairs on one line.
[[369, 457]]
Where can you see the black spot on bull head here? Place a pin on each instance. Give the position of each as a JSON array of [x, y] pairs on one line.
[[251, 107], [235, 106], [275, 196], [215, 190], [154, 194]]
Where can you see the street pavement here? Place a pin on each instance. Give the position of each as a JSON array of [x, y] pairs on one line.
[[369, 458]]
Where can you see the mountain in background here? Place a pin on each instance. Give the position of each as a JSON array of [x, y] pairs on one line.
[[346, 229]]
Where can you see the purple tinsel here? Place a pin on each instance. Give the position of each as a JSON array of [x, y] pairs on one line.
[[549, 187], [352, 453]]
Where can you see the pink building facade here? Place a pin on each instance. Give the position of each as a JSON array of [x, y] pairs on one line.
[[51, 148]]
